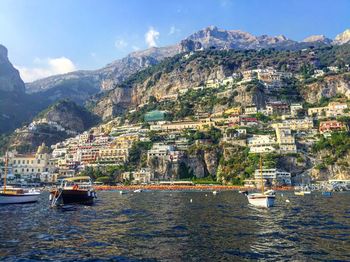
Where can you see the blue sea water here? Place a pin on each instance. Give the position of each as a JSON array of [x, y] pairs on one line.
[[167, 226]]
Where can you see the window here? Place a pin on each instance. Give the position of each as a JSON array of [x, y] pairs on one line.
[[23, 161], [38, 161], [14, 161], [27, 161]]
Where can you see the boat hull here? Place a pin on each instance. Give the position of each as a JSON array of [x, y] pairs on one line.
[[83, 197], [18, 199], [261, 200]]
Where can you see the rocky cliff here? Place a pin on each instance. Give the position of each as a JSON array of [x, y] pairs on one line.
[[328, 87], [16, 107], [10, 80]]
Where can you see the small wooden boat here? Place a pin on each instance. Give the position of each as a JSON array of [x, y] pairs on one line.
[[18, 195], [74, 190], [263, 199], [10, 195], [327, 193]]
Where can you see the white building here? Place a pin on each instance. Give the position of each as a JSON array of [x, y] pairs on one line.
[[273, 177], [160, 150], [261, 144]]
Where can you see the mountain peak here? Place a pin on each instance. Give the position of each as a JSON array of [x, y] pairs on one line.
[[317, 38], [10, 80], [3, 52], [343, 38]]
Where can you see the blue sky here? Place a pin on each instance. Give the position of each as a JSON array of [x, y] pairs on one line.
[[54, 36]]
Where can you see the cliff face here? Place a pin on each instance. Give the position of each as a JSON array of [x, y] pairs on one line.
[[338, 170], [15, 106], [10, 80], [329, 87]]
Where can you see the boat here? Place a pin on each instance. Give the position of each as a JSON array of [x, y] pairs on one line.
[[263, 199], [11, 195], [73, 190], [300, 193], [138, 191]]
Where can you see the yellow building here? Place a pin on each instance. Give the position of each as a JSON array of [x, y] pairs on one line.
[[31, 165], [234, 111], [285, 140]]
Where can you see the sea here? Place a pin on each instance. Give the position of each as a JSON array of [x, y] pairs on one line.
[[179, 226]]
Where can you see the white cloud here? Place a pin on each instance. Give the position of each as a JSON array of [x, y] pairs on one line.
[[93, 54], [46, 67], [174, 30], [151, 37], [120, 43]]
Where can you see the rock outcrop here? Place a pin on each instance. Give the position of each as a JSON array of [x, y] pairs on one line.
[[10, 80], [342, 38], [329, 87]]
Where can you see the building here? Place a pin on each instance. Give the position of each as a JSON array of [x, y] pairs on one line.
[[179, 126], [261, 144], [233, 111], [212, 83], [273, 177], [333, 109], [142, 176], [331, 126], [160, 150], [31, 166], [336, 108], [295, 108], [277, 108], [295, 124], [251, 110], [285, 140]]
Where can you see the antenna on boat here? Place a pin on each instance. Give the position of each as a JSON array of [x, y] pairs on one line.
[[261, 175], [5, 175]]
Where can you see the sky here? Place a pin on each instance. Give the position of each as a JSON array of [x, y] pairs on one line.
[[46, 37]]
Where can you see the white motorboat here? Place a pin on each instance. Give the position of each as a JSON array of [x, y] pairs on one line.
[[138, 191], [10, 195], [263, 199]]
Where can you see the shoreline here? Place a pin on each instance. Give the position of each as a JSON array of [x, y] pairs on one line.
[[184, 188]]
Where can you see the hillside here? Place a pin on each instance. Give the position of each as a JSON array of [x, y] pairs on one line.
[[192, 70], [58, 122]]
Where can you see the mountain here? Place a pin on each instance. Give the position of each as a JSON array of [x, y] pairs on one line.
[[183, 71], [318, 39], [59, 121], [342, 38], [116, 72], [236, 39], [10, 80], [16, 106]]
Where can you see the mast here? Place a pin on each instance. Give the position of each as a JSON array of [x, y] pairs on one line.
[[5, 176], [261, 175]]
